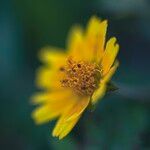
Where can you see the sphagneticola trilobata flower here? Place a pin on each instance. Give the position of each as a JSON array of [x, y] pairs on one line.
[[70, 80]]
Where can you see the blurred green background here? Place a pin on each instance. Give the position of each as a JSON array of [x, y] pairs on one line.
[[121, 120]]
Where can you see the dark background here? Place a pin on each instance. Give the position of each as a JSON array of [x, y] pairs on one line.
[[121, 120]]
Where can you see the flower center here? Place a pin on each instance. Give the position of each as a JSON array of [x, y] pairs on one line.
[[81, 76]]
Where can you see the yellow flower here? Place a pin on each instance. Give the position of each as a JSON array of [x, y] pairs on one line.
[[71, 80]]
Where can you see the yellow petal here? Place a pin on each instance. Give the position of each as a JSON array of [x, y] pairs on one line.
[[44, 114], [68, 126], [52, 56], [39, 98], [63, 127], [109, 56], [75, 43], [70, 117], [52, 108], [100, 92], [96, 33], [48, 78], [59, 125], [51, 97], [111, 72], [78, 108]]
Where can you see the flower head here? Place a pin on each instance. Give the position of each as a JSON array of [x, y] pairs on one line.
[[71, 80]]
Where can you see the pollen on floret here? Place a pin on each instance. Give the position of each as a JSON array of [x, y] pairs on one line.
[[81, 76]]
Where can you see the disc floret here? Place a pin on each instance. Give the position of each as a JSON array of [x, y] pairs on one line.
[[81, 76]]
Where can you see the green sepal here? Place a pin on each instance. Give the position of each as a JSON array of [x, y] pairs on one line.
[[111, 87]]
